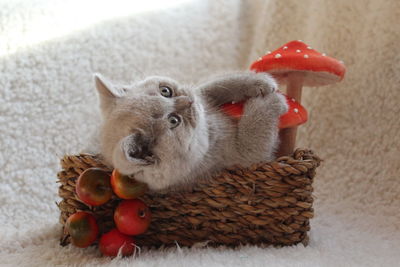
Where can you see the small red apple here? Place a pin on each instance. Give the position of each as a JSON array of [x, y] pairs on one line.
[[126, 187], [132, 217], [114, 241], [82, 228], [93, 187]]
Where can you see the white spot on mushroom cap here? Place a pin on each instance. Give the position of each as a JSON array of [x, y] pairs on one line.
[[268, 52], [341, 61], [285, 47], [260, 58], [300, 40], [278, 55], [309, 47], [298, 51], [294, 100], [306, 56], [323, 54], [296, 110]]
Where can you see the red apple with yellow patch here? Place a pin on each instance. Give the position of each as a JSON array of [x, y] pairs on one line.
[[126, 187], [94, 187], [82, 228]]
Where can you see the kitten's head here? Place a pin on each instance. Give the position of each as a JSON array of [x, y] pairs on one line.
[[149, 128]]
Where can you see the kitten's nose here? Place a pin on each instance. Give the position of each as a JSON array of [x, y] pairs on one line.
[[137, 147], [183, 102]]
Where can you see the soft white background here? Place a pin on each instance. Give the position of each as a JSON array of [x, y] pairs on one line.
[[50, 48]]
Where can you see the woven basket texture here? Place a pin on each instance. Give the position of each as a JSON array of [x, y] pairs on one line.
[[265, 204]]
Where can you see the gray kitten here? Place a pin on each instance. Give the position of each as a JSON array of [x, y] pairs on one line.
[[168, 135]]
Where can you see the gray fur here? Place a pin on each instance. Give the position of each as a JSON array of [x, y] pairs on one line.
[[137, 139]]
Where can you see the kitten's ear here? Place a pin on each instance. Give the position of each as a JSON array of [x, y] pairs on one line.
[[107, 93]]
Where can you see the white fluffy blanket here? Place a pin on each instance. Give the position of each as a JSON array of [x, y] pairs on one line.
[[49, 49]]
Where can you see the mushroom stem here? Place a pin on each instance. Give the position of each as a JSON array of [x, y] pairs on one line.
[[288, 136], [295, 85]]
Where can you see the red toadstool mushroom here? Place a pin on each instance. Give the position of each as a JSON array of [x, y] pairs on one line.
[[297, 64], [234, 110], [295, 116]]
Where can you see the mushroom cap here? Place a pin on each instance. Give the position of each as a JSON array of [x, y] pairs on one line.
[[296, 56], [295, 116], [234, 110]]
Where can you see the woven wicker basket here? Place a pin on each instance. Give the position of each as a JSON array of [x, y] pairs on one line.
[[268, 203]]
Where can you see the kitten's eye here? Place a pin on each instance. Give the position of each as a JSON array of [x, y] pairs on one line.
[[174, 120], [166, 91]]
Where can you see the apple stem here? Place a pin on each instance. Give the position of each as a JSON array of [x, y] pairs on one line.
[[288, 136], [64, 240]]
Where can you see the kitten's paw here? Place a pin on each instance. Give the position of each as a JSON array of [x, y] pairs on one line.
[[274, 105], [261, 84], [281, 103]]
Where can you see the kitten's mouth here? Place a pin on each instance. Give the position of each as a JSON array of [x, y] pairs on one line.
[[147, 160], [141, 155], [150, 160]]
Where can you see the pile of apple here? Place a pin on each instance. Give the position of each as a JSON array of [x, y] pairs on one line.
[[95, 187]]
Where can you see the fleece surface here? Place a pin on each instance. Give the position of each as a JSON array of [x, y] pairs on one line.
[[50, 48]]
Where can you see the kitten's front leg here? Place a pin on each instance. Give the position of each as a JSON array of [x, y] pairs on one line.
[[257, 136], [237, 87]]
